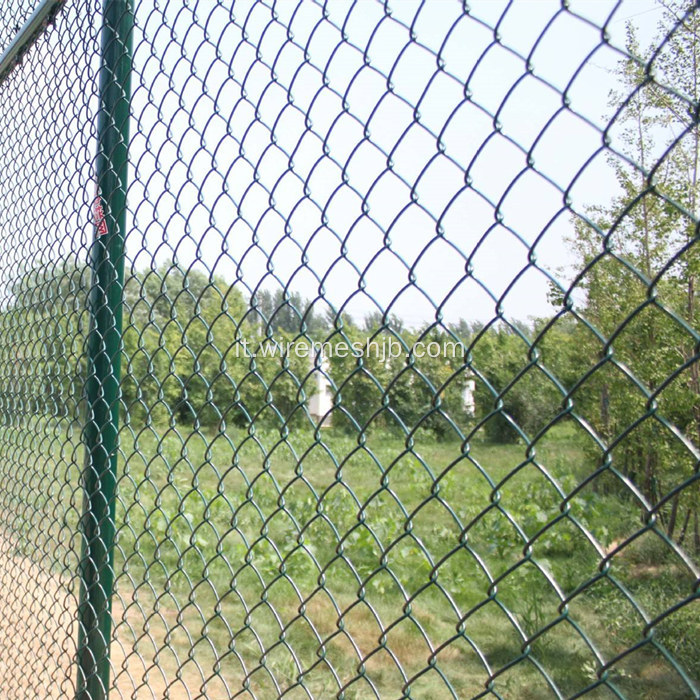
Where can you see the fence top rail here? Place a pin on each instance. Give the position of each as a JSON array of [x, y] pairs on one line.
[[30, 31]]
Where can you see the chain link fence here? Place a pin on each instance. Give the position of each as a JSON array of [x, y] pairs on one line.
[[349, 349]]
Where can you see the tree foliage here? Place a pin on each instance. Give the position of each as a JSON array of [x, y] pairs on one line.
[[637, 335]]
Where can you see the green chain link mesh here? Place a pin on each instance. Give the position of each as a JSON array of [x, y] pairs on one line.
[[518, 519]]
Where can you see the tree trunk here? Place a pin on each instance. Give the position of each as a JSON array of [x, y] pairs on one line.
[[684, 529], [670, 529]]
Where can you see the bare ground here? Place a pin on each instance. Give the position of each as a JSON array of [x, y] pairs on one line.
[[37, 642]]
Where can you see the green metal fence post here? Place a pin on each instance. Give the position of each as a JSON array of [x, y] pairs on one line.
[[104, 344]]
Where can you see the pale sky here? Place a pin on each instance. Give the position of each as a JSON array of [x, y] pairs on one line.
[[208, 178], [300, 193]]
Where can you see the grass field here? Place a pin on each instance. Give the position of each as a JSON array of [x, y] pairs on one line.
[[256, 565], [361, 565]]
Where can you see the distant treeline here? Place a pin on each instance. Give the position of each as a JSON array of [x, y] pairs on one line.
[[191, 355]]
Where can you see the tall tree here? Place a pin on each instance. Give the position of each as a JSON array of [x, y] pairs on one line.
[[640, 263]]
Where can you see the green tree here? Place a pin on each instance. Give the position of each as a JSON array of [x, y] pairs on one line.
[[639, 263], [194, 354]]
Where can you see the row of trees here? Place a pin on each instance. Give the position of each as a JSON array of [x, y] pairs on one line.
[[196, 350], [210, 354]]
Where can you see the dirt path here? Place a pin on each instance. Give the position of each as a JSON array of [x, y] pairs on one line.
[[37, 625], [37, 642]]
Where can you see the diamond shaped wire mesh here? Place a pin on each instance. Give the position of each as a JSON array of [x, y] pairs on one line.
[[15, 14], [407, 351]]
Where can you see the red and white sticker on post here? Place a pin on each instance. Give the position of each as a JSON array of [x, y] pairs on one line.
[[99, 214]]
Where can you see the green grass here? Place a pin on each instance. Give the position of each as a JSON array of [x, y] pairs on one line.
[[248, 559], [348, 564]]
